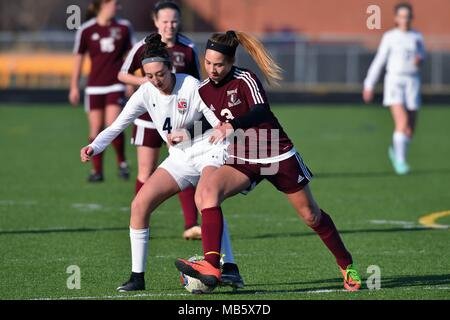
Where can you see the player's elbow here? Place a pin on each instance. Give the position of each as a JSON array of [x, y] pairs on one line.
[[122, 76]]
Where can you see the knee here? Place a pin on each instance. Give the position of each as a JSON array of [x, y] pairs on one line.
[[207, 196], [198, 201], [138, 208]]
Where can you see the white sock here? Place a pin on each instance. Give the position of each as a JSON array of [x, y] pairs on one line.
[[139, 243], [400, 144], [226, 245]]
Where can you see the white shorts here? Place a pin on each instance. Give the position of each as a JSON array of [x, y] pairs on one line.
[[402, 89], [185, 165]]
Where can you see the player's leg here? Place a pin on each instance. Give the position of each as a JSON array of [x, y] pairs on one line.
[[94, 106], [319, 221], [230, 270], [148, 143], [214, 186], [192, 230], [147, 161], [400, 139], [159, 187], [111, 113]]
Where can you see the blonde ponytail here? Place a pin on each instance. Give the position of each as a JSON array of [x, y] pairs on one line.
[[271, 70]]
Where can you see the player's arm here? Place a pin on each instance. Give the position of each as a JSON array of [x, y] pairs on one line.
[[81, 46], [255, 96], [132, 110], [420, 57], [74, 94], [375, 69], [129, 67]]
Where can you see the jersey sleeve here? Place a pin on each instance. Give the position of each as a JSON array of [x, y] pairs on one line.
[[252, 89], [131, 39], [81, 42], [132, 61], [377, 64], [132, 110]]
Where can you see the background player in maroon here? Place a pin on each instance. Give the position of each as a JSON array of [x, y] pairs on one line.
[[238, 100], [166, 16], [107, 40]]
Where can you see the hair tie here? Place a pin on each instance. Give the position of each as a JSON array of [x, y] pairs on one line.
[[231, 33]]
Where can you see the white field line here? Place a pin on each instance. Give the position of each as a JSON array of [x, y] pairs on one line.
[[4, 202], [405, 224], [149, 295]]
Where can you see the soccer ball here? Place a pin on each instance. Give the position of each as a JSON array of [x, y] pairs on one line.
[[193, 285]]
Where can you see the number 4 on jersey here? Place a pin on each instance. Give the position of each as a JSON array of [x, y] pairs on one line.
[[167, 126]]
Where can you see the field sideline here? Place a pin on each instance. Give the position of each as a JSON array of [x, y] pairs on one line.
[[51, 218]]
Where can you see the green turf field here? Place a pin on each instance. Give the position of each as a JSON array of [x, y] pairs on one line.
[[50, 218]]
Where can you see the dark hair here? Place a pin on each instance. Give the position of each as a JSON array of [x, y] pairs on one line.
[[270, 69], [154, 47], [160, 5], [404, 5], [94, 7]]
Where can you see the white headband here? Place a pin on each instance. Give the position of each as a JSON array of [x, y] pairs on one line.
[[154, 59]]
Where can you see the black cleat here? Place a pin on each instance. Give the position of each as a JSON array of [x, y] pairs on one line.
[[136, 283], [231, 277], [95, 177], [124, 171]]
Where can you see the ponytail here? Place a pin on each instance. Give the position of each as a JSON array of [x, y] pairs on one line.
[[271, 70]]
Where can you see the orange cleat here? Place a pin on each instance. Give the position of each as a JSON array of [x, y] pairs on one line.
[[201, 270], [352, 280]]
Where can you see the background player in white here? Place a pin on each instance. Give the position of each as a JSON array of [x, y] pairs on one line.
[[183, 55], [402, 51], [173, 102]]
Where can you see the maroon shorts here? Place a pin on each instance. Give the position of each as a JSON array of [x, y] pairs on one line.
[[146, 137], [100, 101], [288, 176]]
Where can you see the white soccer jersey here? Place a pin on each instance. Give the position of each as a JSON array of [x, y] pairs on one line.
[[169, 112], [398, 49]]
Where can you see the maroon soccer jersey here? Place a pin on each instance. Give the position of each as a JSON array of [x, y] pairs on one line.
[[107, 46], [183, 55], [232, 98]]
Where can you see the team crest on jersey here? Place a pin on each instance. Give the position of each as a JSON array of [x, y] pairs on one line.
[[182, 106], [95, 36], [178, 59], [115, 33], [234, 100]]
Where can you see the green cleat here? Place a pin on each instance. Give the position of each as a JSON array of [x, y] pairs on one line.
[[352, 280]]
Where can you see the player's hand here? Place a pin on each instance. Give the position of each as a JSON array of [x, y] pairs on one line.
[[368, 95], [221, 132], [86, 153], [74, 96], [177, 136]]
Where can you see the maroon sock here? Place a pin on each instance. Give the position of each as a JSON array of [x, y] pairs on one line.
[[330, 236], [97, 161], [138, 185], [119, 145], [212, 227], [189, 209]]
